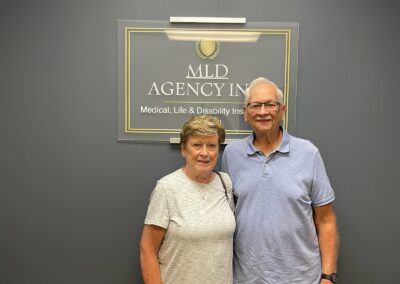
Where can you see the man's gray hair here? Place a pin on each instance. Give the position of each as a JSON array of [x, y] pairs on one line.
[[258, 81]]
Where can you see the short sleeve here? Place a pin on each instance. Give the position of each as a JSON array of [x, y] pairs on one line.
[[321, 192], [157, 212]]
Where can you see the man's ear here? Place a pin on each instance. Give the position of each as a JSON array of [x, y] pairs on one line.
[[283, 110], [245, 114]]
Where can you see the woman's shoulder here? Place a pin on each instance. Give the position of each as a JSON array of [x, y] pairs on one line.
[[226, 178], [172, 177], [225, 175], [170, 181]]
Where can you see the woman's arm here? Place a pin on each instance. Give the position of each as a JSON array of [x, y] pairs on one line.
[[150, 243]]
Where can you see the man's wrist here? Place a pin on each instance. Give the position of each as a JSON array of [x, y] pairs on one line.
[[333, 277]]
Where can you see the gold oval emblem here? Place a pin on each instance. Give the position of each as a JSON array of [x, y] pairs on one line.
[[207, 48]]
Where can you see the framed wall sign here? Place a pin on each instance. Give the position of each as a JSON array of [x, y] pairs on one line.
[[168, 72]]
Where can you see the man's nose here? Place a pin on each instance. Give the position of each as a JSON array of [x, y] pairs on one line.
[[263, 109]]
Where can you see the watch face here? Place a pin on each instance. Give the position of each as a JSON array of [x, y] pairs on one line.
[[334, 277]]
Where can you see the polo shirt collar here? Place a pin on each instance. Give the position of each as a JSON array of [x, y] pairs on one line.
[[284, 147]]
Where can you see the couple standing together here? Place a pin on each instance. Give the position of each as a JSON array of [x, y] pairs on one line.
[[270, 221]]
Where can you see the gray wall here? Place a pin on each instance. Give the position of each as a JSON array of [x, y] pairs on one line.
[[72, 199]]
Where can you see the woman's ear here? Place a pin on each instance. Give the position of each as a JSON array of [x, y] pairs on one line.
[[183, 151]]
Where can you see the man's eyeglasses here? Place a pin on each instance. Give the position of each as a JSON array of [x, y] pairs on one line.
[[270, 106]]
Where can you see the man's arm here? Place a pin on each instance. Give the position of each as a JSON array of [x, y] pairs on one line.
[[150, 243], [328, 237]]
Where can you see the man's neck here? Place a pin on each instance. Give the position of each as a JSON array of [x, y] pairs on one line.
[[268, 142]]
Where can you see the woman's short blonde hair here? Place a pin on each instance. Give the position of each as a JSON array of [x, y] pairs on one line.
[[202, 125]]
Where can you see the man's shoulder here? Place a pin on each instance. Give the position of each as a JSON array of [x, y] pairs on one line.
[[238, 144], [301, 144]]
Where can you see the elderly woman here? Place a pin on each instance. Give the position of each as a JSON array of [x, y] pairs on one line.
[[188, 231]]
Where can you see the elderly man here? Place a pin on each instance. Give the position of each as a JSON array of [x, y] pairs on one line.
[[286, 227]]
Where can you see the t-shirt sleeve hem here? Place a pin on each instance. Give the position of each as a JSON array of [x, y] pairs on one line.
[[156, 223], [324, 202]]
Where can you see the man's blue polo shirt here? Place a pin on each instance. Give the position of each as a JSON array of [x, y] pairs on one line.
[[275, 238]]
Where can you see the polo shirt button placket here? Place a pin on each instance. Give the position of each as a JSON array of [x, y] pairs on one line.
[[267, 160], [265, 171]]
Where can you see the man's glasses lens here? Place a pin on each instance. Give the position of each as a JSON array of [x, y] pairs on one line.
[[267, 105]]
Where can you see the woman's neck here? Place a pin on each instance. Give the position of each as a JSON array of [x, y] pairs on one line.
[[201, 178]]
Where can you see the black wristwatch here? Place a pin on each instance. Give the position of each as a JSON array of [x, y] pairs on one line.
[[331, 277]]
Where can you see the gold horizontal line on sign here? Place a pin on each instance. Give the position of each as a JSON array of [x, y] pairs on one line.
[[217, 35]]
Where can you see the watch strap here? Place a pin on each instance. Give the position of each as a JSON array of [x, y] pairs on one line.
[[331, 277]]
